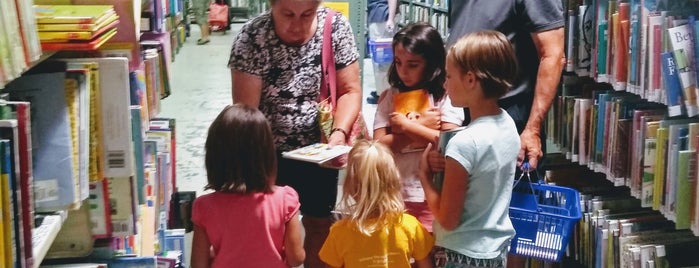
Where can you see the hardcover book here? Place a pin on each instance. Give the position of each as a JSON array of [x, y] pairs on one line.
[[72, 14], [77, 27]]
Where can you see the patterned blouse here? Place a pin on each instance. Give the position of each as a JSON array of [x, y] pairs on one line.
[[290, 75]]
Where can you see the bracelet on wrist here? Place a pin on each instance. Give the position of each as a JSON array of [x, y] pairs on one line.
[[340, 130]]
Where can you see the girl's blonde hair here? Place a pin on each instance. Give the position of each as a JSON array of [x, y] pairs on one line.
[[490, 57], [371, 191]]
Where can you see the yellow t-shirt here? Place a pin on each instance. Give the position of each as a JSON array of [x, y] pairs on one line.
[[346, 247]]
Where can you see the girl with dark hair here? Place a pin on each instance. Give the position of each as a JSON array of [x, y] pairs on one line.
[[412, 112]]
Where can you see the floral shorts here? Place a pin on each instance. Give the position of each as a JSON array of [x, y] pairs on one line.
[[446, 258]]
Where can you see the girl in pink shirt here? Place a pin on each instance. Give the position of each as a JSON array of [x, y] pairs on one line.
[[247, 221]]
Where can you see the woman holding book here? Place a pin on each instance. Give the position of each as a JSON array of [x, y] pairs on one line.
[[276, 66]]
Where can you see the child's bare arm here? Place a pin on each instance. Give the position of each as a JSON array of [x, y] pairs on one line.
[[293, 244], [394, 140], [448, 204], [201, 249]]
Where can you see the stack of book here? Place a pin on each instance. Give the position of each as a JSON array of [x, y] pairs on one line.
[[75, 27]]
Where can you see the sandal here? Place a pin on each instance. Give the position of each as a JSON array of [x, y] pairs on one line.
[[203, 41]]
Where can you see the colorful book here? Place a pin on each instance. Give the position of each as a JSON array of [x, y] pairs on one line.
[[72, 14], [682, 44], [8, 216], [317, 153], [100, 209], [20, 111], [77, 27], [94, 44], [65, 36]]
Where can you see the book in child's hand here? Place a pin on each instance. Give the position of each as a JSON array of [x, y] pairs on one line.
[[412, 104], [319, 153], [444, 138]]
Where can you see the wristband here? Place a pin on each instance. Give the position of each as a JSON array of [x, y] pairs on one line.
[[340, 130]]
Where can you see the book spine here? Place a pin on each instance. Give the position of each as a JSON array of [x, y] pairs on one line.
[[685, 163], [659, 175]]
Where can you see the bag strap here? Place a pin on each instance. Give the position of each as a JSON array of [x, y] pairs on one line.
[[328, 85]]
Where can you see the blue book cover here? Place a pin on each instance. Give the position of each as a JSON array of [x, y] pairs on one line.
[[53, 171], [673, 88], [634, 46], [133, 262], [602, 100]]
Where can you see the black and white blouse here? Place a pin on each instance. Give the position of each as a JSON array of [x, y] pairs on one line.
[[290, 74]]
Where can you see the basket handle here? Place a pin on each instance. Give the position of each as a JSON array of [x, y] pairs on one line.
[[530, 197]]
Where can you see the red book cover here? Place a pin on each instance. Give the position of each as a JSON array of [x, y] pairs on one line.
[[25, 174]]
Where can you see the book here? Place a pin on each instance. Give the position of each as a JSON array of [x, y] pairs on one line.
[[444, 137], [8, 211], [100, 215], [682, 43], [93, 44], [53, 173], [114, 119], [20, 111], [412, 104], [65, 36], [317, 153], [77, 27], [72, 14]]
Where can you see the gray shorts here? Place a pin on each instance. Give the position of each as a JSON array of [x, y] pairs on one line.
[[200, 7]]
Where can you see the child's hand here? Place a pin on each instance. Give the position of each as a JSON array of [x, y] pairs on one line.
[[425, 165], [431, 118], [398, 122], [436, 161]]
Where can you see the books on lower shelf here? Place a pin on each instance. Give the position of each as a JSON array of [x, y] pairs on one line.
[[44, 234]]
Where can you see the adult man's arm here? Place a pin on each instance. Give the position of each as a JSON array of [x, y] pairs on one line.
[[392, 9], [549, 44]]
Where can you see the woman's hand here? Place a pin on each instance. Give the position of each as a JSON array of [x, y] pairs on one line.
[[337, 138]]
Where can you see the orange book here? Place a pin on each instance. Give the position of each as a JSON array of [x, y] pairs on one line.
[[411, 102]]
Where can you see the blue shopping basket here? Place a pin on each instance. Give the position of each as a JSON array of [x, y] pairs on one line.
[[544, 217]]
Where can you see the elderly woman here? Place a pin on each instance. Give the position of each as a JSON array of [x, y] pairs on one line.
[[276, 66]]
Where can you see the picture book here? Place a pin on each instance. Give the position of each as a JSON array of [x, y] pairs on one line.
[[72, 14], [65, 36], [78, 27], [411, 103], [93, 44], [317, 153]]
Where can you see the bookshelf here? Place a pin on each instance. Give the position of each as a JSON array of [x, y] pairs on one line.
[[435, 12], [131, 74], [616, 118]]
